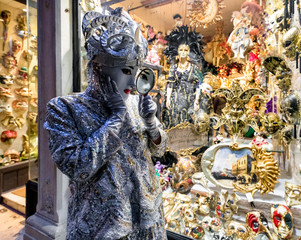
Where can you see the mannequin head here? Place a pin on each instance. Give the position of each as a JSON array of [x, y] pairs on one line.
[[282, 221], [183, 52]]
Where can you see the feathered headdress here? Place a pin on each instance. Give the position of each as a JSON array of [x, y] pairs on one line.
[[187, 36]]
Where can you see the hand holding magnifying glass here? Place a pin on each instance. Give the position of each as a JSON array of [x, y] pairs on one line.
[[147, 107]]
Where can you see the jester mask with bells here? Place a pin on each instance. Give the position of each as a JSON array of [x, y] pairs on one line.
[[258, 224], [292, 194], [282, 221]]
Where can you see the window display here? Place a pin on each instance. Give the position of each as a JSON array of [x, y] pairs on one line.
[[229, 91], [18, 74]]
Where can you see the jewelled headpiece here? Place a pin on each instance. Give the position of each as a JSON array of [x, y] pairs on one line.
[[187, 36], [113, 38]]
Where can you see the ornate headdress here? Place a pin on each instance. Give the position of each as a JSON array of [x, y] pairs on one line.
[[184, 35], [113, 38]]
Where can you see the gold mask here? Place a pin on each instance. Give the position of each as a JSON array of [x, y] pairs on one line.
[[237, 230], [292, 194], [201, 122], [272, 123]]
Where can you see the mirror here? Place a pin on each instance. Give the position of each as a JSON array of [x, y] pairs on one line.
[[145, 81]]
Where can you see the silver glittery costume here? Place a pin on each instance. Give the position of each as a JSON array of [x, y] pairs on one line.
[[115, 193]]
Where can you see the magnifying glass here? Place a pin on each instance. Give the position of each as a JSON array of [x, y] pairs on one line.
[[145, 81]]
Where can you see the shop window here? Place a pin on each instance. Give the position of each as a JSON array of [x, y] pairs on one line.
[[18, 87]]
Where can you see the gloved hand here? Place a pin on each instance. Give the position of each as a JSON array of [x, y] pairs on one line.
[[114, 102], [147, 110]]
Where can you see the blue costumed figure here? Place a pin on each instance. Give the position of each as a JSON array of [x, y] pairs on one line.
[[103, 138]]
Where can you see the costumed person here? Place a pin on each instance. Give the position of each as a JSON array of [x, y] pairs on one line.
[[183, 84], [103, 139]]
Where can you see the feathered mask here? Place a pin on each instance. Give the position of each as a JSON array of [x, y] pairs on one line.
[[184, 35], [113, 38]]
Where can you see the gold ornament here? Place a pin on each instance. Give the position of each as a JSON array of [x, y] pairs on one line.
[[265, 169], [201, 13], [238, 231], [292, 194], [235, 114]]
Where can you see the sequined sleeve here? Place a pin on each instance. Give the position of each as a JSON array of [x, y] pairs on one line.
[[75, 156]]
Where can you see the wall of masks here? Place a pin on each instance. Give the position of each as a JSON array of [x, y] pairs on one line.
[[18, 83]]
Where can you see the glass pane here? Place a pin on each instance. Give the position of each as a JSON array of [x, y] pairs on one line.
[[32, 47], [18, 82]]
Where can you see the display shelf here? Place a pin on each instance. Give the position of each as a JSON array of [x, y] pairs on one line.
[[14, 176]]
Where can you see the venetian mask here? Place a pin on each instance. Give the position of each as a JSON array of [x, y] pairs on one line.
[[283, 78], [197, 232], [6, 92], [24, 92], [204, 206], [20, 105], [182, 202], [292, 194], [183, 51], [9, 61], [22, 78], [16, 46], [211, 225], [7, 79], [168, 202], [226, 206], [5, 109], [282, 221], [11, 156], [201, 121], [272, 123], [258, 223], [290, 107], [237, 230]]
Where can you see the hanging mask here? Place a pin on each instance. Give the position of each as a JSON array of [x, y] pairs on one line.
[[258, 223], [9, 61], [16, 46], [237, 230], [290, 107], [282, 221], [283, 78], [272, 123], [292, 194]]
